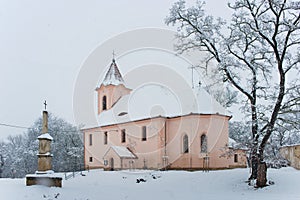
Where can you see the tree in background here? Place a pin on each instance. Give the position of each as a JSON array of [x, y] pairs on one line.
[[239, 132], [20, 152], [257, 53], [1, 165]]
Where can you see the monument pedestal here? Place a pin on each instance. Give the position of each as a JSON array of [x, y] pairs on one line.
[[49, 179]]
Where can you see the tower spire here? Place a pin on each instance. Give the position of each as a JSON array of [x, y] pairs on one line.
[[113, 76]]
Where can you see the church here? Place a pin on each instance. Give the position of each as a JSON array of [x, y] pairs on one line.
[[150, 127]]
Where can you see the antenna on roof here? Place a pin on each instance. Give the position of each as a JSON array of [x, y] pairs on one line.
[[192, 67]]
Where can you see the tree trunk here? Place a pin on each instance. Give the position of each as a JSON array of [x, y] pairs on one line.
[[254, 166], [254, 161], [261, 174]]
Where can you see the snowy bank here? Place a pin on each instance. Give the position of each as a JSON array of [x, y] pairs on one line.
[[97, 184]]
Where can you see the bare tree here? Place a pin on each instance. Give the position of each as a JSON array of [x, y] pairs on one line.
[[256, 56]]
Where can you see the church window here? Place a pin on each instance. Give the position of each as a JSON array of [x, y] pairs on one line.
[[104, 103], [144, 133], [203, 143], [235, 158], [122, 114], [123, 136], [185, 144], [91, 139], [105, 137]]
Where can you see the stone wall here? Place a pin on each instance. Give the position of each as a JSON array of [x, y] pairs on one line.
[[292, 154]]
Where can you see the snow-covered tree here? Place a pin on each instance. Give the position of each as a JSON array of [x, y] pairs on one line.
[[239, 132], [20, 152], [257, 53]]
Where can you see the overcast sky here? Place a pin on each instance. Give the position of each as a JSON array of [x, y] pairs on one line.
[[44, 44]]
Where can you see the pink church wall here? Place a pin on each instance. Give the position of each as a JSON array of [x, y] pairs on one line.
[[216, 129], [150, 153], [145, 150]]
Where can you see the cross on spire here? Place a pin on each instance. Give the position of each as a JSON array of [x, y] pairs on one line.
[[113, 54], [45, 103]]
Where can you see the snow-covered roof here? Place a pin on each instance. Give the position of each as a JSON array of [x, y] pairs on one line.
[[231, 143], [154, 100], [113, 75], [46, 136], [123, 152], [48, 174], [236, 145], [45, 154], [290, 145]]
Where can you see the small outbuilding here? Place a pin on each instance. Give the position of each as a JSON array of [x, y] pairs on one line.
[[292, 154], [236, 154], [119, 157]]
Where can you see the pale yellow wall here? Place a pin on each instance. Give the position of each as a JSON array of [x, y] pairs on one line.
[[292, 154], [242, 158]]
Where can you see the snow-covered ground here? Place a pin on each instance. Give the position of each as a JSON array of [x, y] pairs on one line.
[[97, 184]]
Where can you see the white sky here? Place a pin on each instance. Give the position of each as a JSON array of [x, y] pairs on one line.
[[44, 43]]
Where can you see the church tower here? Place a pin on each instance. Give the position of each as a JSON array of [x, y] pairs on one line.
[[111, 89]]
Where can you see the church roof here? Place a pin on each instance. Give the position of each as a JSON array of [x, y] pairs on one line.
[[121, 151], [150, 101], [113, 75]]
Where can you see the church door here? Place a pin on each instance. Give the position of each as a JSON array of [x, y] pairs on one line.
[[111, 164]]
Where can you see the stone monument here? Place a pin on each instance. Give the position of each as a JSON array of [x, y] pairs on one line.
[[44, 175]]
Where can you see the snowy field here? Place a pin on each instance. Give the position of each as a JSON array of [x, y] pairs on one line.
[[97, 184]]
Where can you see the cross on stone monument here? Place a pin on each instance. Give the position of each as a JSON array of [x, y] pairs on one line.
[[44, 174], [45, 103]]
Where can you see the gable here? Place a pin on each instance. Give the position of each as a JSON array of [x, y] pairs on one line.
[[120, 151]]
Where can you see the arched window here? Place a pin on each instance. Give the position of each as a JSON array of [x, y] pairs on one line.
[[123, 136], [144, 133], [203, 143], [104, 105], [91, 139], [105, 137], [185, 144]]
